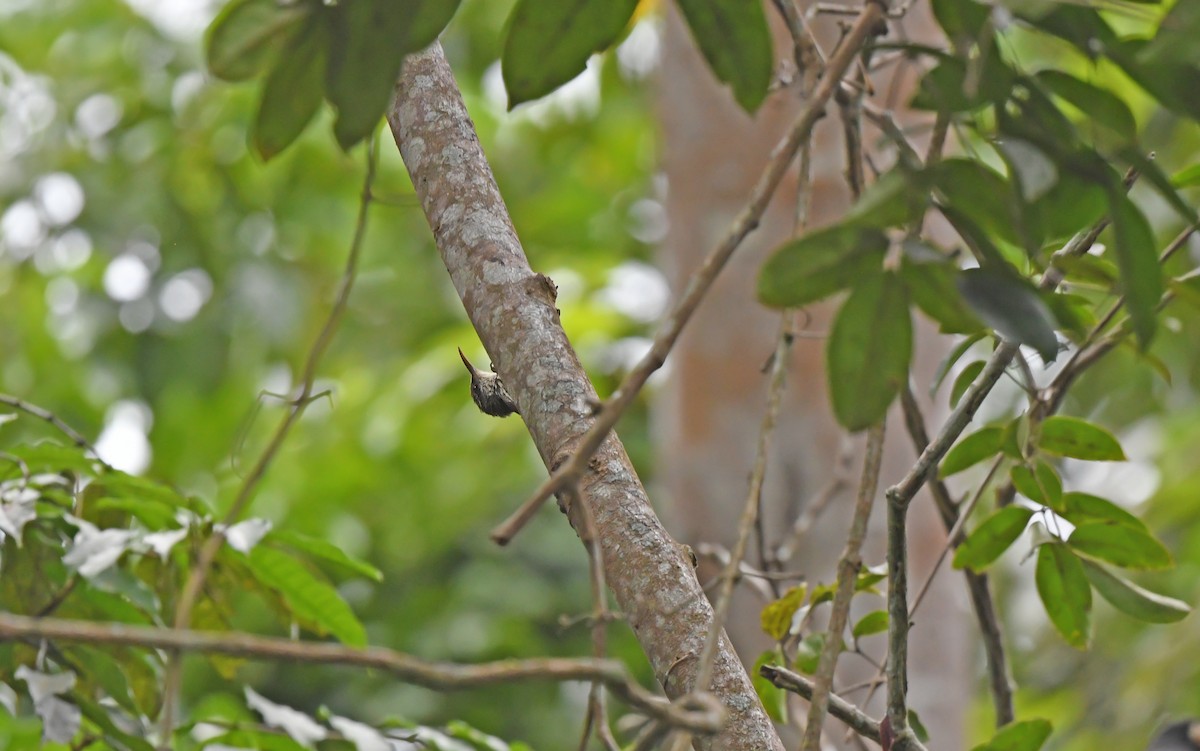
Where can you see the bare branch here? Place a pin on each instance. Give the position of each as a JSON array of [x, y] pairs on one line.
[[838, 707], [439, 676]]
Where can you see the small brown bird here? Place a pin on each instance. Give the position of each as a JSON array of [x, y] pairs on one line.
[[488, 392]]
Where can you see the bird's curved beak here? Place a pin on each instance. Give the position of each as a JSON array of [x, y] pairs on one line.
[[470, 368]]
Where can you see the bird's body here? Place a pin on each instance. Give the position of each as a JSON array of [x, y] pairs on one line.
[[488, 392]]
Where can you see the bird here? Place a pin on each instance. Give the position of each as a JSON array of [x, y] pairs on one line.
[[488, 392], [1179, 736]]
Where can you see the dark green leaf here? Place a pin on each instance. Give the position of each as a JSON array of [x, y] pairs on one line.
[[1035, 172], [874, 622], [549, 42], [1078, 439], [311, 599], [370, 39], [1011, 306], [1028, 735], [1120, 545], [248, 34], [933, 288], [736, 42], [292, 92], [962, 20], [1187, 177], [1131, 599], [262, 740], [917, 726], [1175, 41], [949, 88], [1171, 83], [1065, 592], [820, 264], [895, 200], [991, 538], [1071, 205], [1101, 105], [964, 381], [869, 350], [1040, 484], [972, 449], [980, 194], [773, 698], [808, 652], [1089, 268]]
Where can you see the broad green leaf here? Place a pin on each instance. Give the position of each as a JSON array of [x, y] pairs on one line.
[[990, 539], [1175, 41], [774, 699], [319, 548], [292, 92], [1082, 508], [1149, 172], [247, 35], [1028, 735], [1065, 592], [868, 577], [1078, 439], [1133, 600], [820, 264], [1071, 205], [869, 351], [964, 381], [1041, 484], [1034, 171], [974, 448], [1011, 306], [776, 617], [949, 88], [1089, 268], [962, 20], [261, 740], [980, 194], [735, 40], [311, 599], [1120, 545], [932, 287], [1170, 82], [875, 622], [1103, 107], [892, 201], [549, 42], [370, 39]]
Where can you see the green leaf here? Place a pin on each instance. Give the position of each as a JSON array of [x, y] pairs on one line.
[[1034, 171], [1083, 508], [292, 92], [1120, 545], [1175, 40], [776, 617], [948, 88], [1065, 592], [933, 288], [736, 42], [918, 727], [1040, 484], [972, 449], [310, 599], [1149, 171], [894, 200], [1011, 306], [875, 622], [549, 42], [962, 20], [1103, 107], [980, 194], [319, 548], [820, 264], [1188, 177], [808, 652], [1078, 439], [774, 699], [991, 538], [964, 381], [262, 740], [1131, 599], [950, 359], [370, 39], [248, 34], [869, 351], [1028, 735]]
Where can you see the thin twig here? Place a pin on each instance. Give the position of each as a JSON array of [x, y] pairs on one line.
[[45, 414], [703, 717], [838, 707], [208, 552], [848, 568], [702, 279]]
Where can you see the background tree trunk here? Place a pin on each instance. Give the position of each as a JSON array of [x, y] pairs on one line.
[[707, 415]]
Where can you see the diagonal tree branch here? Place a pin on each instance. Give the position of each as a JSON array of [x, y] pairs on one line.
[[513, 309]]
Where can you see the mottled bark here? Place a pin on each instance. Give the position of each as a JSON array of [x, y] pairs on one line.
[[513, 310]]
